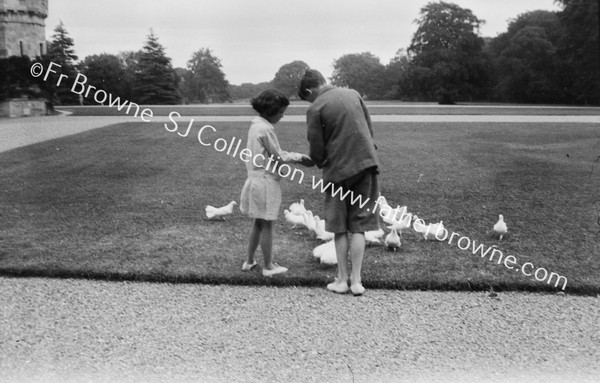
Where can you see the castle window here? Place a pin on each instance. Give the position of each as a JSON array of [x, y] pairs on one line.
[[21, 47], [41, 49]]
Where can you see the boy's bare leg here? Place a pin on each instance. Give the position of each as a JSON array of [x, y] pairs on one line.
[[341, 252], [357, 252]]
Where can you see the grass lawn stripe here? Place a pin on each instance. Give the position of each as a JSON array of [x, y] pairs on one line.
[[127, 202]]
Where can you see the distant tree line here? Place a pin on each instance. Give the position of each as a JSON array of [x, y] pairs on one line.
[[543, 57]]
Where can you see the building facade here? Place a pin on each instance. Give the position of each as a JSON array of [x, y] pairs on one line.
[[23, 28]]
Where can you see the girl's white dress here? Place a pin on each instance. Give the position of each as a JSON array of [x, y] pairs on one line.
[[261, 194]]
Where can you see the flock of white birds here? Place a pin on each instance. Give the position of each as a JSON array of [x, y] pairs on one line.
[[398, 221]]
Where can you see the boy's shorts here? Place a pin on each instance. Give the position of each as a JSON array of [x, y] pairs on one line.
[[343, 216]]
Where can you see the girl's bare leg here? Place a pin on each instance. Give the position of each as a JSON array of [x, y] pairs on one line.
[[266, 242], [254, 240]]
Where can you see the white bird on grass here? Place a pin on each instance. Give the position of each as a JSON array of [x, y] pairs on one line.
[[323, 234], [309, 221], [374, 236], [403, 224], [393, 215], [437, 231], [392, 240], [295, 220], [500, 227], [419, 226], [297, 208], [432, 231], [219, 212], [326, 253]]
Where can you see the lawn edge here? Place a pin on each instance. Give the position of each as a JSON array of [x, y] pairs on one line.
[[284, 281]]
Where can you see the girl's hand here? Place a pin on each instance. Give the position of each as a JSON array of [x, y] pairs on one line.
[[306, 161]]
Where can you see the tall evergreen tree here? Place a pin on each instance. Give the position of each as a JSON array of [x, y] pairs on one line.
[[61, 52], [155, 78]]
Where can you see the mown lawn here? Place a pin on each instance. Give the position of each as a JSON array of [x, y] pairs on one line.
[[127, 202], [298, 108]]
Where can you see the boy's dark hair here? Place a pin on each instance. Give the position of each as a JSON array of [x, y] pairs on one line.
[[269, 102], [312, 79]]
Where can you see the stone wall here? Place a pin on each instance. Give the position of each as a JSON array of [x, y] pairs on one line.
[[22, 108], [23, 27]]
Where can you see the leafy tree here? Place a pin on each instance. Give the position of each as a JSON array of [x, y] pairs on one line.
[[15, 78], [246, 91], [526, 59], [288, 77], [106, 72], [360, 71], [182, 76], [61, 52], [394, 73], [155, 79], [581, 48], [205, 82], [527, 68], [447, 53], [129, 61]]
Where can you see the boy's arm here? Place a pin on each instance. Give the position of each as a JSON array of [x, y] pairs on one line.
[[315, 138]]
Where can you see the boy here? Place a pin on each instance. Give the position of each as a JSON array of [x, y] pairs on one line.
[[340, 136]]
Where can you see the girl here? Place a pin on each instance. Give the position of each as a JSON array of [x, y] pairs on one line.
[[261, 194]]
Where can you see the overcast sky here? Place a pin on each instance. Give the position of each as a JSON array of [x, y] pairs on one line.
[[253, 39]]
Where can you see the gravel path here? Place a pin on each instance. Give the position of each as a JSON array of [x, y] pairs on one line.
[[79, 330], [17, 132]]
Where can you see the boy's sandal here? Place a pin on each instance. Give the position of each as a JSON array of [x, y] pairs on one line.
[[357, 289], [338, 286]]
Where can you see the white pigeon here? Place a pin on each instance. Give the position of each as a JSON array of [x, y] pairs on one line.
[[323, 234], [393, 215], [432, 231], [297, 208], [309, 221], [326, 253], [437, 231], [403, 224], [219, 212], [374, 236], [392, 240], [419, 226], [383, 208], [295, 220], [500, 227]]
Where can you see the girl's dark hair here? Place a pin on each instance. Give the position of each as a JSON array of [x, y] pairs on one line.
[[312, 79], [269, 102]]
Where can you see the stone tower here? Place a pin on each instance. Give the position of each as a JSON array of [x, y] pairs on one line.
[[23, 27]]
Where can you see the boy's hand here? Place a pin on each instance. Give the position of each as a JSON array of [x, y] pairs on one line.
[[306, 161]]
